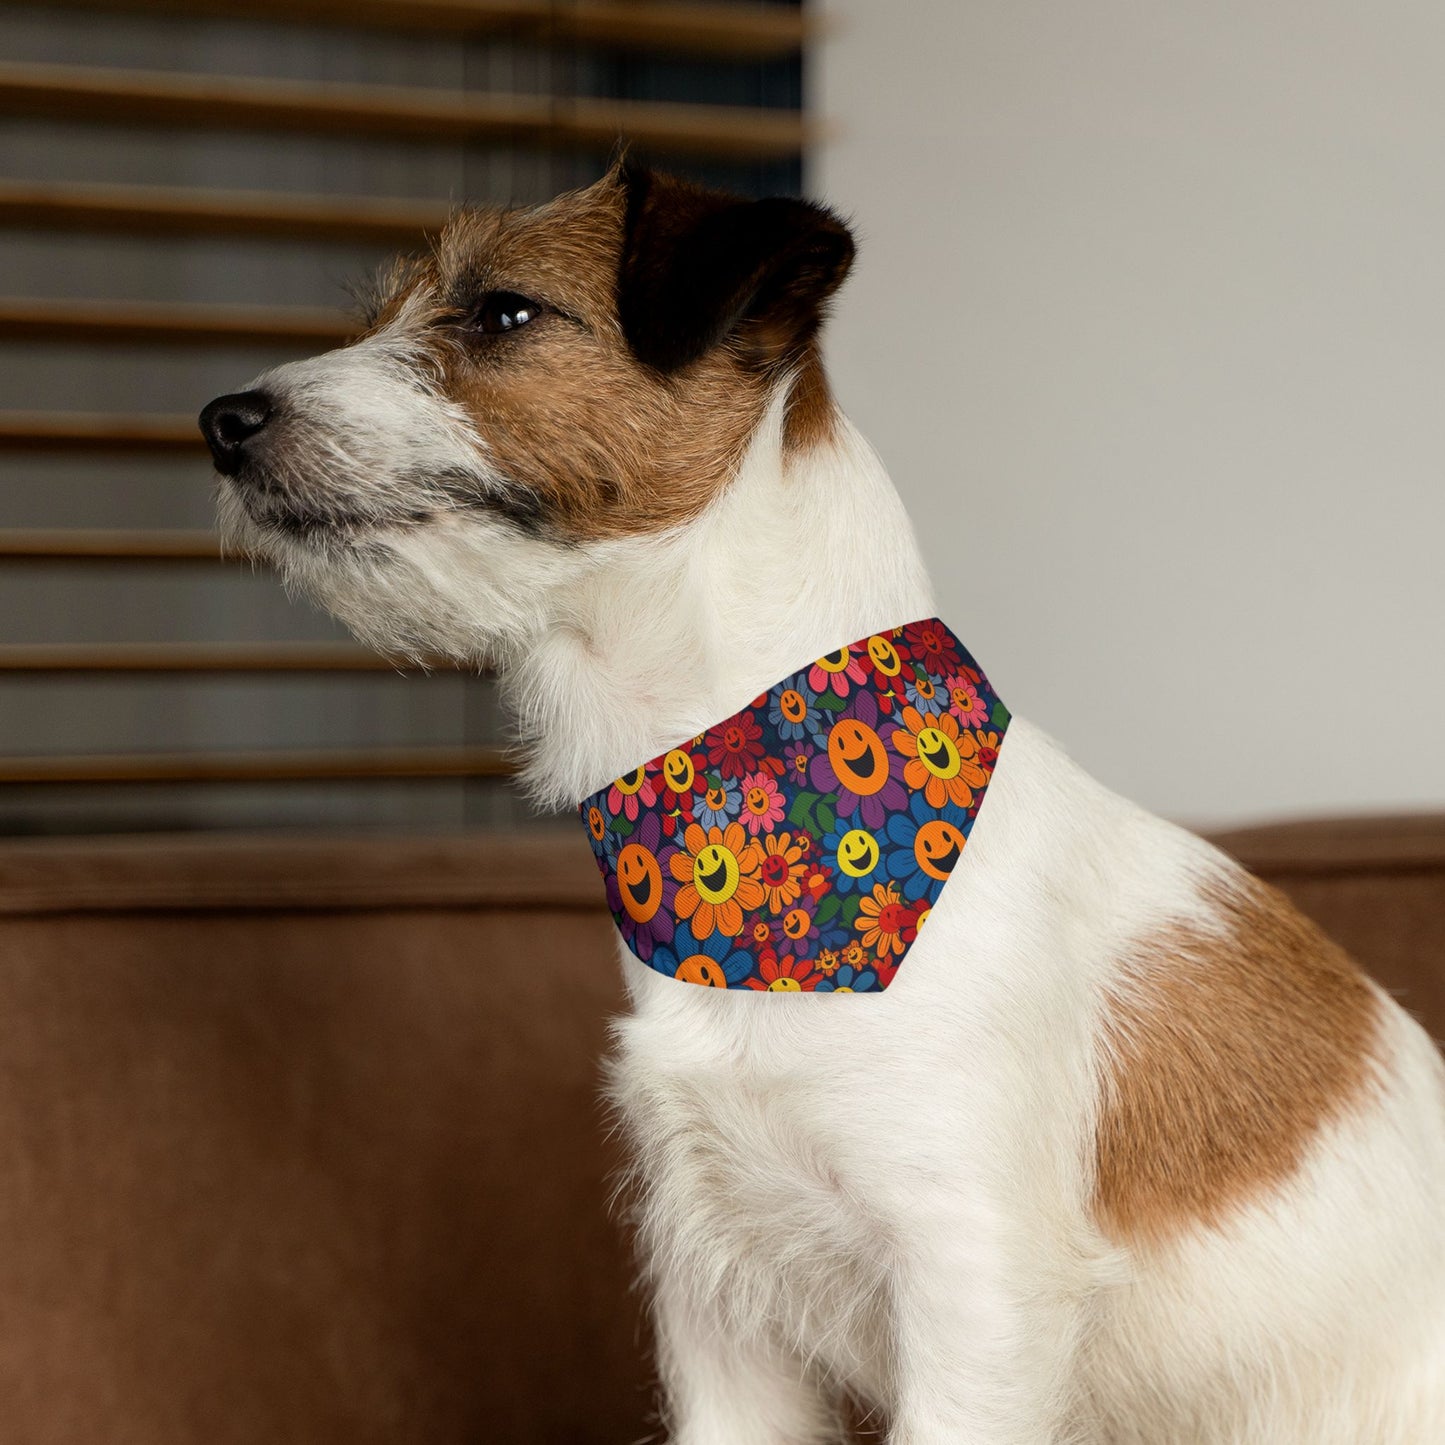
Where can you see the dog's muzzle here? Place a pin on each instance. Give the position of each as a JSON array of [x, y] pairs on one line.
[[230, 423]]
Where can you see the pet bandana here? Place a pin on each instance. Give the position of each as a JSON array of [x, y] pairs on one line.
[[799, 845]]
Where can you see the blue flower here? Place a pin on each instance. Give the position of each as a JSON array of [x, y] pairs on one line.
[[905, 857], [604, 841], [863, 848], [718, 961], [849, 980], [719, 805], [925, 694], [794, 713]]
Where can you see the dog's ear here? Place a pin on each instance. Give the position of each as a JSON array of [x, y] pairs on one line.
[[700, 266]]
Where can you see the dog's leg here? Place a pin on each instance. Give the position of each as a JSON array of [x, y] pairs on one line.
[[985, 1340], [721, 1388]]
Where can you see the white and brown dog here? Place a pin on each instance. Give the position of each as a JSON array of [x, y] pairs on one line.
[[1129, 1153]]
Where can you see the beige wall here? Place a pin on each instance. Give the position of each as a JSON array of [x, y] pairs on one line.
[[1149, 324]]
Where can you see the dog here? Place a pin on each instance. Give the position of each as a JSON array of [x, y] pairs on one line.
[[1128, 1152]]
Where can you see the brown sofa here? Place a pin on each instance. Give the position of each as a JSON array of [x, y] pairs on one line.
[[302, 1142]]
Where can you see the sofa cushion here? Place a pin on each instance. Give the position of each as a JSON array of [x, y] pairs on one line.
[[302, 1137], [302, 1143]]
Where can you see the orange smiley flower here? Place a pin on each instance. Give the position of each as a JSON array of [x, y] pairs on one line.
[[887, 923], [781, 869], [943, 760], [718, 871]]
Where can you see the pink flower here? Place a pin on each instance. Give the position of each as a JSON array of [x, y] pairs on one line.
[[965, 703], [839, 672], [762, 808], [631, 793]]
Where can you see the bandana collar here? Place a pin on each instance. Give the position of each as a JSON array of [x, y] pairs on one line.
[[798, 845]]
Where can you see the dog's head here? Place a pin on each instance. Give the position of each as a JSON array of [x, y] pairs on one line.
[[544, 382]]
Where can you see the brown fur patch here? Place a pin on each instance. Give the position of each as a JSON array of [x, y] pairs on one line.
[[606, 445], [1227, 1053], [812, 415]]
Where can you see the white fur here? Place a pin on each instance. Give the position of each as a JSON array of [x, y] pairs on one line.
[[890, 1194]]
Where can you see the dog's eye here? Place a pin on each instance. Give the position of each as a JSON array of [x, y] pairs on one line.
[[504, 311]]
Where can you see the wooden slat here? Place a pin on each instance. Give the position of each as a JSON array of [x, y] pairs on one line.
[[762, 32], [189, 657], [78, 431], [754, 31], [288, 870], [222, 102], [171, 323], [174, 211], [81, 544], [331, 765]]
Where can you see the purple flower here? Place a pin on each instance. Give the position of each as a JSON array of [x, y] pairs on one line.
[[797, 757], [863, 775], [641, 889]]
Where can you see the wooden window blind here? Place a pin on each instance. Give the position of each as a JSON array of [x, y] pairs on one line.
[[186, 186]]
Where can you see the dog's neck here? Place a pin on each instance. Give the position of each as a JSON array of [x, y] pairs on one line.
[[659, 638]]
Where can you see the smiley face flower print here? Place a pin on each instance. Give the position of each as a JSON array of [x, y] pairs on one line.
[[799, 845]]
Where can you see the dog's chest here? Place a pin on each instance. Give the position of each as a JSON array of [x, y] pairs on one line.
[[750, 1140]]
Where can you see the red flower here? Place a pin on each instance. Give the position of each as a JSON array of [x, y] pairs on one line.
[[886, 971], [932, 644], [736, 747], [680, 783], [883, 660], [783, 975], [817, 880], [760, 933], [681, 779], [988, 746]]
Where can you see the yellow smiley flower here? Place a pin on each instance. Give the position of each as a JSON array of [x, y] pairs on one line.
[[942, 759], [717, 868]]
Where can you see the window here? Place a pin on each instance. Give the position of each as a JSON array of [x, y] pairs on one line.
[[185, 193]]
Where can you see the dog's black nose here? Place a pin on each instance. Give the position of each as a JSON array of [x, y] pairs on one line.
[[229, 422]]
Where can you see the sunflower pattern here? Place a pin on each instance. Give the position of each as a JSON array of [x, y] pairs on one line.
[[798, 846]]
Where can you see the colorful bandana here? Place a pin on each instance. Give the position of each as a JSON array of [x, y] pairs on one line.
[[799, 845]]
